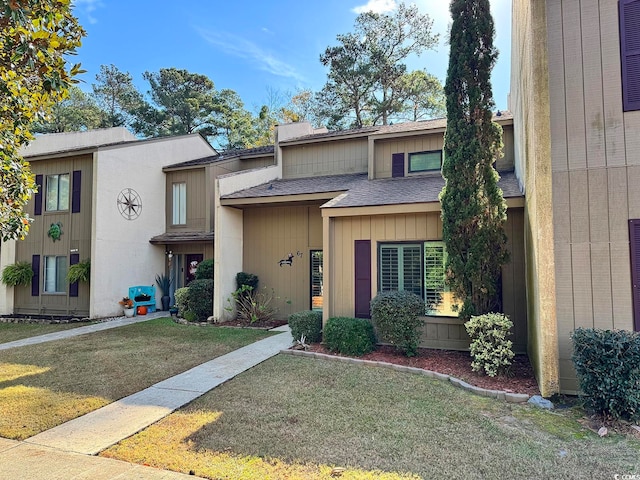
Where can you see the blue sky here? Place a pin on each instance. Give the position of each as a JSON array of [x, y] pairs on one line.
[[251, 46]]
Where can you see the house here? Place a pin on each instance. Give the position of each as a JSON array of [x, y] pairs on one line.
[[189, 213], [104, 192], [343, 215], [575, 97]]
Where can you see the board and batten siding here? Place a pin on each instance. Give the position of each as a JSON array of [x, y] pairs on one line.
[[385, 150], [270, 234], [595, 172], [439, 332], [76, 238], [196, 192], [324, 158]]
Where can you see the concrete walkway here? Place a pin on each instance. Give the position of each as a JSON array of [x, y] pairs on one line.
[[74, 332], [62, 452]]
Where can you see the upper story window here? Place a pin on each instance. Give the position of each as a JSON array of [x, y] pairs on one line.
[[57, 192], [180, 203], [425, 161], [418, 268], [630, 52]]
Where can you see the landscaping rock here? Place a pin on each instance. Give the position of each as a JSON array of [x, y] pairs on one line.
[[541, 402]]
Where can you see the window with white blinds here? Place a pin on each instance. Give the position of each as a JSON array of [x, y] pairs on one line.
[[179, 203], [418, 268]]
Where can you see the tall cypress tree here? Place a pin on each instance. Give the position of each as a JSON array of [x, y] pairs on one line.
[[473, 207]]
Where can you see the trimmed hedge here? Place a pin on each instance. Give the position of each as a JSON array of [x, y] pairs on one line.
[[200, 299], [248, 279], [182, 298], [350, 336], [608, 366], [490, 349], [205, 270], [307, 323], [397, 319]]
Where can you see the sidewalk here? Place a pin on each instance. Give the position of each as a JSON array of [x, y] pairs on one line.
[[64, 451], [74, 332]]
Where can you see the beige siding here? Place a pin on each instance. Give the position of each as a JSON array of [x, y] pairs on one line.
[[197, 219], [384, 150], [324, 158], [439, 332], [270, 234], [595, 145], [76, 235]]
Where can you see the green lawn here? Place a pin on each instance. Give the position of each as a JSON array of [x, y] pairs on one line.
[[297, 418], [44, 385], [17, 331]]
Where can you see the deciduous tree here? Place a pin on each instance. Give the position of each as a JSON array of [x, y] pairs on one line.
[[473, 207], [35, 38]]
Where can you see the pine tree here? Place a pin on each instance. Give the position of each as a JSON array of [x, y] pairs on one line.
[[473, 207]]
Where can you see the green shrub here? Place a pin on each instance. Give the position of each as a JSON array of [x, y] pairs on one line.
[[181, 296], [189, 316], [607, 363], [248, 279], [396, 317], [308, 323], [253, 306], [200, 299], [490, 349], [17, 274], [80, 272], [350, 336], [205, 270]]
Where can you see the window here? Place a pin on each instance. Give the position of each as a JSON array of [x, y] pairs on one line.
[[418, 268], [425, 161], [317, 289], [630, 52], [57, 192], [55, 274], [179, 203]]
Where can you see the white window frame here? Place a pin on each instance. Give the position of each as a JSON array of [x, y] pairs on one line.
[[55, 274], [179, 203], [405, 256], [55, 200]]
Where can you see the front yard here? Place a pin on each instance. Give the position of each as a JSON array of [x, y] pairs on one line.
[[298, 418], [10, 332], [44, 385]]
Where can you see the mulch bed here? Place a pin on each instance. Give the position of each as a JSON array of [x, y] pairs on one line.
[[520, 379]]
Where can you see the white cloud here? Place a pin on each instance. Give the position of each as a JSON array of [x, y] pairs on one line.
[[88, 7], [242, 48], [376, 6]]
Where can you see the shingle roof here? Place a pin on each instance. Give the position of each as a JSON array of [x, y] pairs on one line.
[[300, 186], [229, 154], [182, 237], [383, 129], [418, 189]]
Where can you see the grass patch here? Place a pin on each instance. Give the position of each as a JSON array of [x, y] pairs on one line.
[[44, 385], [10, 332], [296, 417]]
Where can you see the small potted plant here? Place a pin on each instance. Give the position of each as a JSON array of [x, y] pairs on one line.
[[127, 305]]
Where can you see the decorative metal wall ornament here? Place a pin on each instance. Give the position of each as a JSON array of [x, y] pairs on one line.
[[55, 231], [288, 260], [129, 204]]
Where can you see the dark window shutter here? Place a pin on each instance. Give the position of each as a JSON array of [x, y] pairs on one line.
[[634, 240], [630, 52], [76, 190], [35, 280], [37, 198], [397, 165], [73, 287], [362, 278]]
